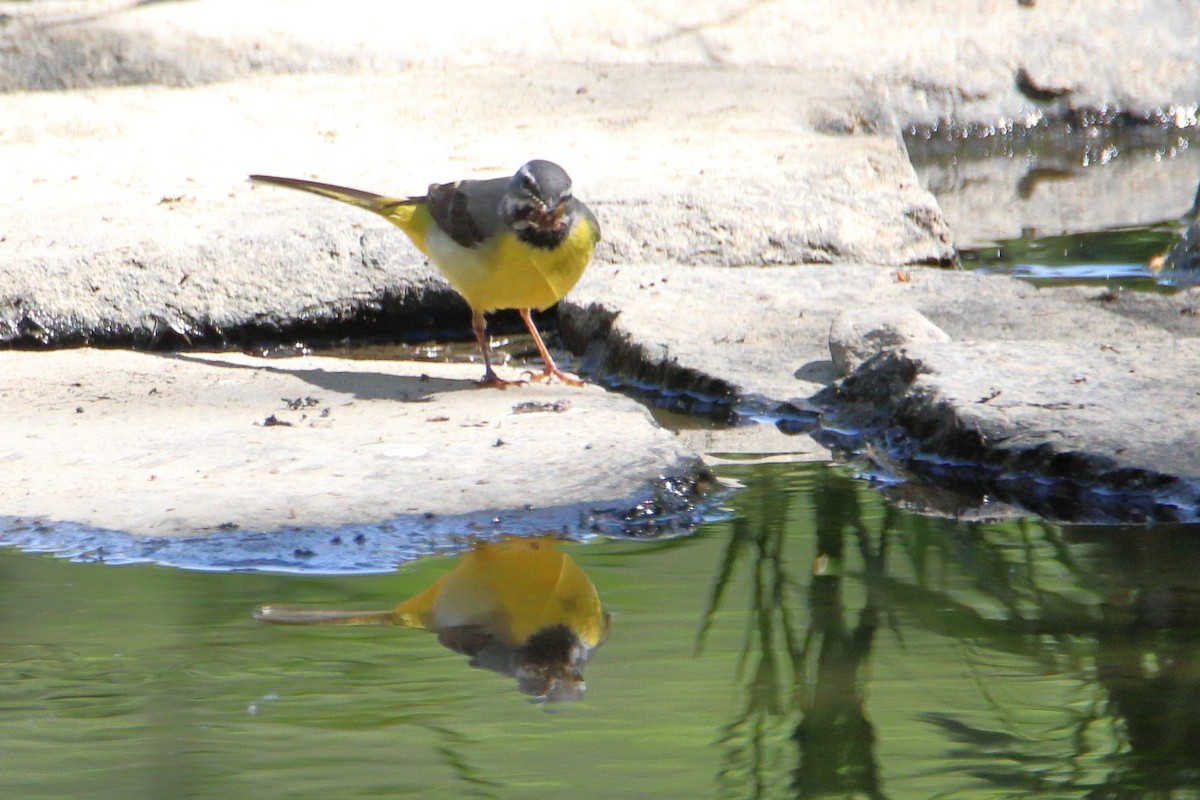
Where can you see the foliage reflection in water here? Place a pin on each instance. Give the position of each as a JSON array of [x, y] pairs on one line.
[[1078, 669], [816, 643]]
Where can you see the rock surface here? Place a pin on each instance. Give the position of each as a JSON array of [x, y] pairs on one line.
[[96, 250], [767, 346], [1084, 431], [931, 61], [770, 336], [747, 163], [168, 445], [861, 333]]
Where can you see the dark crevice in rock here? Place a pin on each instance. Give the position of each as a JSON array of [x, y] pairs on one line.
[[616, 359], [1036, 90], [406, 315], [918, 436]]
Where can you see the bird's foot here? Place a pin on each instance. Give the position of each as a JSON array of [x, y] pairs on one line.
[[554, 372], [496, 382]]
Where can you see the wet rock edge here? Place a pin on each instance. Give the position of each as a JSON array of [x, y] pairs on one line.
[[911, 431], [670, 506]]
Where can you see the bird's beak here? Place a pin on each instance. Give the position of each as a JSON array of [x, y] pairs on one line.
[[548, 219]]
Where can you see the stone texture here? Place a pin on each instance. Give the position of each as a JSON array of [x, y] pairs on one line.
[[131, 217], [750, 189], [858, 334], [986, 63], [1083, 431], [193, 444], [770, 337], [767, 350]]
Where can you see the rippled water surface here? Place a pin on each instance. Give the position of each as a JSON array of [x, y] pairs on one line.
[[817, 642]]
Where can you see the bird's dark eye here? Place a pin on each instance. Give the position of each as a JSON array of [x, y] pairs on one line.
[[528, 182]]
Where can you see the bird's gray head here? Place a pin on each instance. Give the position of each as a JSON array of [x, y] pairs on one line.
[[537, 196]]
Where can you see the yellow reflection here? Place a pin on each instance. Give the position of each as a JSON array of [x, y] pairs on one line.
[[519, 607]]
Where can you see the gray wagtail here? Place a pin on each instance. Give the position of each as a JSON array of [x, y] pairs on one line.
[[521, 242]]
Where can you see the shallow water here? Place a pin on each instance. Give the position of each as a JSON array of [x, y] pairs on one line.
[[1123, 258], [1080, 201], [817, 642]]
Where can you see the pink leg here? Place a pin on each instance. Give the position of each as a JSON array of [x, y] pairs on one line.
[[552, 370], [490, 378]]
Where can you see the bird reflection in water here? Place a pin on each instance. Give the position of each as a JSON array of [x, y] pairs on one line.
[[519, 607]]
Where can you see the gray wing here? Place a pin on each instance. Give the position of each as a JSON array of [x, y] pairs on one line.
[[467, 211]]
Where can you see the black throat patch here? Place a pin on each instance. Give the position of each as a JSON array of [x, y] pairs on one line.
[[543, 239]]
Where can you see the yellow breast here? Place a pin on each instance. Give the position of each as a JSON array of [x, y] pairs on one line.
[[505, 272], [510, 590]]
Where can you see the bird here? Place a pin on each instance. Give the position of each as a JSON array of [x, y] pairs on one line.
[[517, 606], [519, 242]]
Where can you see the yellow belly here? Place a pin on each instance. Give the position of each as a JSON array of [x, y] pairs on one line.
[[510, 589], [504, 272]]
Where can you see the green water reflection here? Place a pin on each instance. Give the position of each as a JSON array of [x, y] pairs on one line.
[[1124, 258], [817, 643]]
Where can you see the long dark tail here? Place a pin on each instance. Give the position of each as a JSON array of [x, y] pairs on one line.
[[355, 197]]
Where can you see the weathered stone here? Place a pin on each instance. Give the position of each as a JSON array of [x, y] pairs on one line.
[[1183, 262], [768, 344], [769, 337], [1076, 431], [193, 444], [988, 64], [171, 238], [859, 333]]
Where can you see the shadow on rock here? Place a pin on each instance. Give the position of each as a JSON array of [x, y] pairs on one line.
[[362, 385]]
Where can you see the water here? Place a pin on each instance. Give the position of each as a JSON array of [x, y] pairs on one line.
[[1072, 202], [817, 642], [1121, 258], [814, 642]]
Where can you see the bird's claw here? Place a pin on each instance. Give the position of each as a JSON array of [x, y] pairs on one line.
[[548, 373], [496, 382]]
